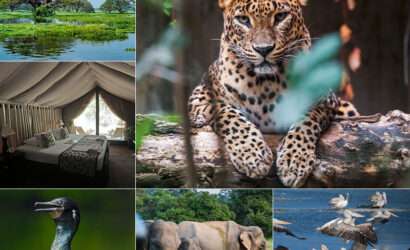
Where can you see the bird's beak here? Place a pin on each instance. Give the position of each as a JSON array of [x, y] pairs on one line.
[[281, 222], [395, 215], [51, 207]]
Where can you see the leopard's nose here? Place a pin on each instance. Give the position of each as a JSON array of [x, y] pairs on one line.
[[263, 49]]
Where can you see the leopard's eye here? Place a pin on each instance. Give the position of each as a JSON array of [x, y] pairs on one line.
[[280, 17], [244, 20]]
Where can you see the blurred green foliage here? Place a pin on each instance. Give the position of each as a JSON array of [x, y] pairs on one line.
[[246, 207], [311, 77], [145, 125], [165, 5], [107, 219]]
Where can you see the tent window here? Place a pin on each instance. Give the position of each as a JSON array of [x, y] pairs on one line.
[[109, 124], [85, 123]]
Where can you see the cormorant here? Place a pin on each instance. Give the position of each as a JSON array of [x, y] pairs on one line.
[[66, 215]]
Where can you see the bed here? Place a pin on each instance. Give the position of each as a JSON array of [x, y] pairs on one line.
[[74, 158]]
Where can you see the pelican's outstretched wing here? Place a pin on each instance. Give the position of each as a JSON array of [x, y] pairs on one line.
[[283, 229]]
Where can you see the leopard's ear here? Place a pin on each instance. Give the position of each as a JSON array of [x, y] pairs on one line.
[[303, 2], [223, 4]]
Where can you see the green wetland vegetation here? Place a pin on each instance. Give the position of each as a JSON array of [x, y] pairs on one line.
[[67, 32]]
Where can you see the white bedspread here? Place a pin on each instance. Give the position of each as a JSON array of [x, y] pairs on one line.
[[51, 154]]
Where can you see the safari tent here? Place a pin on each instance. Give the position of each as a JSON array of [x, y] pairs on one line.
[[67, 123]]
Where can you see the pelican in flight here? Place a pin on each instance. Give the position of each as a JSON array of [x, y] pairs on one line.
[[280, 227], [339, 202], [362, 234], [378, 199], [381, 216], [350, 217]]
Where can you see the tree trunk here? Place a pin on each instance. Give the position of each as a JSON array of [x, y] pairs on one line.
[[362, 152]]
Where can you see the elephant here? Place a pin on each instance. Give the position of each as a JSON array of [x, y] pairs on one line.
[[163, 235], [212, 235], [223, 235], [206, 237], [189, 244], [240, 237], [142, 237]]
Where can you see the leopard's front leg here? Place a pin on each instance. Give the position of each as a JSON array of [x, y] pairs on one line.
[[243, 141], [200, 106], [296, 154]]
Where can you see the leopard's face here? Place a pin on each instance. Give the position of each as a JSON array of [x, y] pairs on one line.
[[262, 33]]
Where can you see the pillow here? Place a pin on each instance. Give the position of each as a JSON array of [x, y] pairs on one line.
[[64, 133], [33, 141], [57, 133], [46, 139]]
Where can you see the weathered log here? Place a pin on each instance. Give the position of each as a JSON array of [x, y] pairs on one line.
[[359, 152]]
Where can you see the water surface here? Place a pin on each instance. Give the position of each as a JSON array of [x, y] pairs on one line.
[[309, 209], [66, 49]]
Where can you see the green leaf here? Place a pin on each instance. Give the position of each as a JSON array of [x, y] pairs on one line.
[[311, 76], [143, 127], [324, 50]]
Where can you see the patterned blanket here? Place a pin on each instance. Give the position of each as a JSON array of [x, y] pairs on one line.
[[81, 158]]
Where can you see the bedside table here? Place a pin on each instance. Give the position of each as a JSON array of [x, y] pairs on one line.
[[10, 166]]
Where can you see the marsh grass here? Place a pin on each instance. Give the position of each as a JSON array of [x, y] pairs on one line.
[[87, 27]]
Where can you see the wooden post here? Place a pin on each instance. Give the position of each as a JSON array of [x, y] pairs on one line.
[[97, 112]]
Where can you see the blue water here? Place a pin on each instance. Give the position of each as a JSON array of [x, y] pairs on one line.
[[76, 50], [309, 209]]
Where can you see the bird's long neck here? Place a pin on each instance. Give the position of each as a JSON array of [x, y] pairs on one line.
[[63, 237]]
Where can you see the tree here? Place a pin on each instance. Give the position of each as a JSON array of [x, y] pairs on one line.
[[246, 207], [76, 5], [87, 6], [107, 6], [182, 205], [117, 5], [10, 4], [252, 207]]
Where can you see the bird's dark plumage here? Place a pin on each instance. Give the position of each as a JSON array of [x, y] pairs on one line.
[[66, 216]]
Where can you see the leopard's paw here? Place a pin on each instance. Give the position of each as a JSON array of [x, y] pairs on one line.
[[295, 163], [254, 161]]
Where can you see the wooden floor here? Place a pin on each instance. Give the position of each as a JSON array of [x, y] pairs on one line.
[[121, 167]]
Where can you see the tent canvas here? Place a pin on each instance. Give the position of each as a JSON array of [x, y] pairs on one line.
[[34, 96]]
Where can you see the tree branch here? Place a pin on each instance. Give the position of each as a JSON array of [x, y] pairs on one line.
[[371, 151]]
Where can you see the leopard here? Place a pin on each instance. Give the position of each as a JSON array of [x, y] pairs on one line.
[[239, 93]]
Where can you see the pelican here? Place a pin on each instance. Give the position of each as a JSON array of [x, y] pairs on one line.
[[279, 226], [379, 200], [362, 234], [339, 202], [323, 247], [66, 216], [350, 217], [381, 216]]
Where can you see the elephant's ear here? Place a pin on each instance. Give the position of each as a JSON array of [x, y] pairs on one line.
[[246, 240]]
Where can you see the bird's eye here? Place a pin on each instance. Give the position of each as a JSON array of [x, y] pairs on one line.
[[280, 17], [244, 20]]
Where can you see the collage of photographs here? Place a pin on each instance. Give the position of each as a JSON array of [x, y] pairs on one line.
[[205, 124]]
